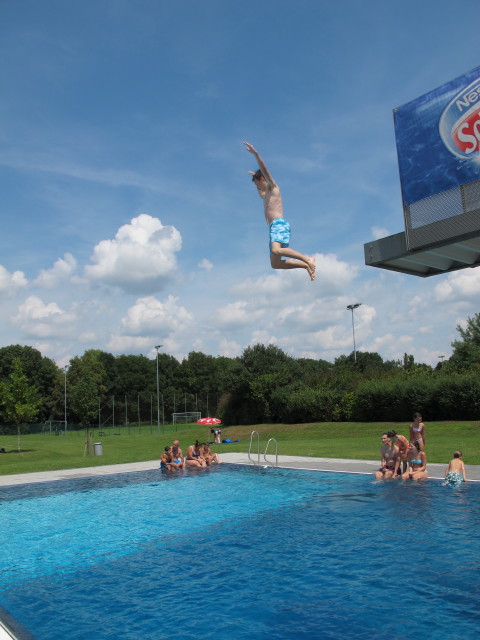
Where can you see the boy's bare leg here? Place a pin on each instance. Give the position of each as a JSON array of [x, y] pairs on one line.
[[298, 261]]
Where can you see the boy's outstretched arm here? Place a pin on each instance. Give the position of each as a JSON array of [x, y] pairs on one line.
[[261, 164]]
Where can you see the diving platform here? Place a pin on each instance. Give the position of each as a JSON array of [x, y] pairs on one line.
[[438, 149], [392, 253]]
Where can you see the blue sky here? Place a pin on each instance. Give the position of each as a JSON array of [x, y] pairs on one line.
[[128, 216]]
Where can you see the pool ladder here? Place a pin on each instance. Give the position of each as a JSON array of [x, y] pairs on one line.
[[265, 452]]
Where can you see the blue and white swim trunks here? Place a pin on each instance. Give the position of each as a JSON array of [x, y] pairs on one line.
[[453, 478], [280, 232]]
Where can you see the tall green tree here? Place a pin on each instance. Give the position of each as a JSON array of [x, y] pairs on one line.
[[361, 360], [466, 352], [41, 372], [19, 399], [87, 382], [260, 371]]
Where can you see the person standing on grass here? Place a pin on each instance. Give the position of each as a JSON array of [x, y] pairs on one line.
[[390, 463], [455, 472], [417, 432], [279, 228]]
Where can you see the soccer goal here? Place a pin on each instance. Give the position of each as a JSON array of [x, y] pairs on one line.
[[186, 417], [54, 426]]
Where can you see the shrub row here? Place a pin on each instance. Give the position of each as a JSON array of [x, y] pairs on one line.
[[447, 398]]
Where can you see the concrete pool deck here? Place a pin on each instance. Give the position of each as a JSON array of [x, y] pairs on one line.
[[338, 465]]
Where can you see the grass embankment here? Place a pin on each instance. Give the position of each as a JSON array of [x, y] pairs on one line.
[[44, 452]]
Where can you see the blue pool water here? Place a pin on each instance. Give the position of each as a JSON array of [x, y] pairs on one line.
[[238, 552]]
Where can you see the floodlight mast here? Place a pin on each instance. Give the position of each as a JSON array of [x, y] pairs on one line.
[[157, 347], [351, 308], [65, 369]]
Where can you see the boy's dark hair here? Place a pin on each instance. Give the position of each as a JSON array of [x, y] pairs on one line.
[[417, 415], [258, 174], [457, 454], [392, 433]]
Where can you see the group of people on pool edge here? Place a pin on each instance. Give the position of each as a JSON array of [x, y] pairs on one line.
[[198, 455], [406, 458]]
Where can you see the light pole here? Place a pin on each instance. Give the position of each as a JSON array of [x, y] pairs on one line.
[[351, 308], [157, 347], [65, 369]]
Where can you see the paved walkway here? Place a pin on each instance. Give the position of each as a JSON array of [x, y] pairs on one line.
[[436, 471]]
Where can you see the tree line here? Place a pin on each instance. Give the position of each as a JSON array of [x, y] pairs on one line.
[[264, 384]]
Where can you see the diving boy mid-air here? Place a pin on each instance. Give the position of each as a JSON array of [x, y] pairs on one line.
[[279, 228]]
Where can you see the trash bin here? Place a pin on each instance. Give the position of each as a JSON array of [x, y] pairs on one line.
[[98, 449]]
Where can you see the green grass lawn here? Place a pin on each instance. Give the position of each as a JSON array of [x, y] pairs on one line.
[[44, 452]]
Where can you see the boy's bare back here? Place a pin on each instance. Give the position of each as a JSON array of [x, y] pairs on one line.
[[456, 465]]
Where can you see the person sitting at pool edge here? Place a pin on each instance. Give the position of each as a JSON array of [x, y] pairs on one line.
[[390, 463], [209, 456], [166, 459], [403, 445], [455, 471], [417, 464], [194, 456], [178, 461]]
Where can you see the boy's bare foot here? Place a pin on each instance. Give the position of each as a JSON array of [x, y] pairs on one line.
[[311, 268]]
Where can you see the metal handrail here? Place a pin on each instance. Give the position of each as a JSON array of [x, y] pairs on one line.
[[276, 451], [258, 448]]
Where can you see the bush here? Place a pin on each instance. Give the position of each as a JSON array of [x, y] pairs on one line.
[[443, 398]]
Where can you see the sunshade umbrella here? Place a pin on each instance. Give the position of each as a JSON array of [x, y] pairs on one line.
[[209, 421]]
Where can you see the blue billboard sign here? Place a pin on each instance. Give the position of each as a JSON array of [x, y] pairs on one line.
[[438, 138]]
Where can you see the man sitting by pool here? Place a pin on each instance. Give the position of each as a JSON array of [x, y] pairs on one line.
[[390, 460], [178, 461]]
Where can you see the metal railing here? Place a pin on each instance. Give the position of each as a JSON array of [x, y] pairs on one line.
[[258, 447], [276, 451], [265, 452]]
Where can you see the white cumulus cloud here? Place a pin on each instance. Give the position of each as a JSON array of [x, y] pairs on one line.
[[139, 259], [459, 284], [61, 271], [332, 277], [40, 320], [150, 316], [237, 314], [10, 283], [205, 264], [379, 232]]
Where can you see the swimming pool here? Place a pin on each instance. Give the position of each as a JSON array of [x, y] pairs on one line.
[[240, 552]]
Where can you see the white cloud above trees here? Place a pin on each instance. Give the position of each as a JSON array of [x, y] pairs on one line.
[[141, 258]]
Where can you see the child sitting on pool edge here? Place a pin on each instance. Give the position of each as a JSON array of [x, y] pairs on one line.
[[455, 471], [166, 459]]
